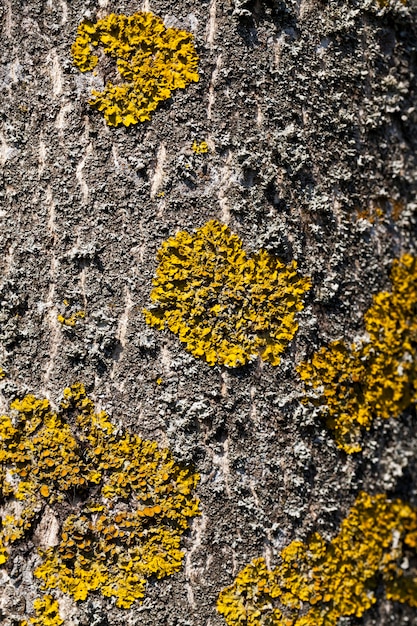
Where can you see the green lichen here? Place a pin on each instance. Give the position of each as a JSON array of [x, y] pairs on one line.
[[226, 306], [152, 61], [354, 384], [130, 502], [318, 582]]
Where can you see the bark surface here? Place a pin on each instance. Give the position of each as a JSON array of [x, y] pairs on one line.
[[309, 112]]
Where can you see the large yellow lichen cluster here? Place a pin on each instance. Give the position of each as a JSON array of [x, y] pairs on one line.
[[318, 582], [225, 306], [152, 62], [124, 501], [353, 384]]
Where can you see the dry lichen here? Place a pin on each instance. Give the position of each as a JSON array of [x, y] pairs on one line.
[[318, 582], [354, 384], [130, 502], [152, 60], [227, 307]]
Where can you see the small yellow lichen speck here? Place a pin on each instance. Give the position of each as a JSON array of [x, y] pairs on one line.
[[199, 148], [132, 503], [354, 384], [151, 59], [227, 307], [72, 319], [318, 582]]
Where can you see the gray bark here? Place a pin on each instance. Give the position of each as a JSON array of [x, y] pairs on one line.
[[309, 110]]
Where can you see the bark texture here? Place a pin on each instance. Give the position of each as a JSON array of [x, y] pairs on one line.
[[309, 112]]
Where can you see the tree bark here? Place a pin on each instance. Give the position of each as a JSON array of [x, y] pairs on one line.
[[309, 112]]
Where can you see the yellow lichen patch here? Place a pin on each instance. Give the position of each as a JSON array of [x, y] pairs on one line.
[[199, 148], [354, 384], [318, 582], [47, 612], [226, 306], [72, 319], [151, 60], [131, 502], [2, 373]]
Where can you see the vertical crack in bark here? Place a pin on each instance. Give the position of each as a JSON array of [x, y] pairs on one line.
[[211, 94], [41, 155], [122, 331], [55, 72], [79, 173], [158, 176], [225, 179], [60, 122], [8, 22], [193, 574], [52, 316], [211, 24], [5, 150]]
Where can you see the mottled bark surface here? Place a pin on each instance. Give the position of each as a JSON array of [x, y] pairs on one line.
[[309, 112]]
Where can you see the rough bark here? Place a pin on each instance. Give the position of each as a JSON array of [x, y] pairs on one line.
[[309, 112]]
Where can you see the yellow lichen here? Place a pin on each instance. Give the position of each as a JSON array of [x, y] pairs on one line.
[[227, 307], [318, 582], [377, 377], [72, 319], [152, 61], [131, 502], [199, 148], [2, 373], [47, 612]]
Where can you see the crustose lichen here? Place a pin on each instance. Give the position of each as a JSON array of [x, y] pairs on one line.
[[152, 61], [226, 306]]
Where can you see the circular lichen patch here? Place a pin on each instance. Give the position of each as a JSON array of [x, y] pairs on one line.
[[152, 61], [227, 307]]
